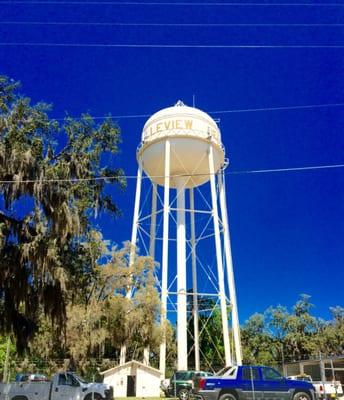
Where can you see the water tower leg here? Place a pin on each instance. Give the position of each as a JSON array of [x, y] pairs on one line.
[[151, 250], [181, 277], [194, 281], [220, 273], [136, 218], [162, 361], [153, 221], [133, 244], [230, 274]]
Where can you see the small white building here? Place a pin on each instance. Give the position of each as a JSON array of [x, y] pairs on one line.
[[133, 379]]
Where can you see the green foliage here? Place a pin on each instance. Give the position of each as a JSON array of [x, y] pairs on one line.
[[256, 341], [49, 194], [269, 338], [210, 334], [104, 318], [4, 342], [279, 335]]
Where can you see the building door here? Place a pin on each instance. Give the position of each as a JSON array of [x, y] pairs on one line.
[[131, 386]]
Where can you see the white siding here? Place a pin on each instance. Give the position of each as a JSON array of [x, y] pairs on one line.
[[147, 383], [118, 380], [147, 380]]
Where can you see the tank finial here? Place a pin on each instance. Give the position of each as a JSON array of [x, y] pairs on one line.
[[179, 104]]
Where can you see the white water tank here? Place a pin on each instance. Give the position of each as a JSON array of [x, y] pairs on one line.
[[190, 132]]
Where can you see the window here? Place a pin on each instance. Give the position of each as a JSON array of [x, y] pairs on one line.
[[64, 379], [67, 379], [183, 375], [270, 374], [249, 373]]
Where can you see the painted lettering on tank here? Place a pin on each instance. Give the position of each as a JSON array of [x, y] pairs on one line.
[[167, 125], [188, 124], [180, 124]]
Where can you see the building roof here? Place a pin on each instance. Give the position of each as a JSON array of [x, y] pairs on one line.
[[130, 363]]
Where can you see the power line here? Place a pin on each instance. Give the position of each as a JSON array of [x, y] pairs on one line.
[[172, 46], [179, 4], [160, 24], [107, 178], [292, 169], [280, 108]]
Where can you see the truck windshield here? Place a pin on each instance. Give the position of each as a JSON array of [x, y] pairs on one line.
[[77, 377]]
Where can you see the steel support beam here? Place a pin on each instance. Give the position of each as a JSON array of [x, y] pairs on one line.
[[133, 244], [182, 350], [162, 363], [230, 273], [220, 273], [194, 281]]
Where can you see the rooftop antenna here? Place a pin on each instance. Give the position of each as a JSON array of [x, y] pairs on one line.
[[193, 100]]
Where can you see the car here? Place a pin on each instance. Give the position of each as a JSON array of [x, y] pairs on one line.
[[63, 386], [252, 383], [324, 389], [181, 383]]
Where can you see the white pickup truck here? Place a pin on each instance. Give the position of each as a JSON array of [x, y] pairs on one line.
[[63, 386], [324, 390]]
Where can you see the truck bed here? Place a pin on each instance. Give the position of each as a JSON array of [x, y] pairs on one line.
[[33, 390]]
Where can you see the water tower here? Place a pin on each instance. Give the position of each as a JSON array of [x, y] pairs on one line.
[[180, 152]]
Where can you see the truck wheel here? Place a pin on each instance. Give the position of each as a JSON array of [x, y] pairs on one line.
[[302, 396], [227, 396], [96, 396], [183, 394]]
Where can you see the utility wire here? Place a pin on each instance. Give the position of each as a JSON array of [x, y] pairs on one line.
[[292, 169], [172, 46], [278, 108], [160, 24], [180, 4], [107, 178], [281, 108]]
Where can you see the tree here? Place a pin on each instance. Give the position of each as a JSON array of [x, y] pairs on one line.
[[276, 335], [301, 329], [104, 318], [48, 190], [330, 337], [211, 346], [257, 342], [7, 353]]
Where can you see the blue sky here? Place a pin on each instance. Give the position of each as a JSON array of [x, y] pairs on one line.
[[287, 228]]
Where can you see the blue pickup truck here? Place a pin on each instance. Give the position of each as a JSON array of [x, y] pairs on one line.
[[251, 383]]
